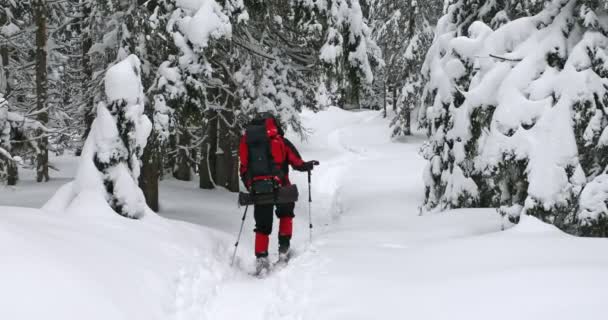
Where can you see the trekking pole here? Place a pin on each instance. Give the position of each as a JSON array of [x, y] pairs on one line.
[[310, 205], [236, 245]]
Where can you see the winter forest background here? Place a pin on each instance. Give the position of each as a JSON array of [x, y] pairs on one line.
[[513, 94]]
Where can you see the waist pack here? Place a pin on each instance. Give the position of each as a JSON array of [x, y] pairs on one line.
[[282, 195], [264, 186]]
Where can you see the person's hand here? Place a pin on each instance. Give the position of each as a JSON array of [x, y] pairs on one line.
[[309, 165]]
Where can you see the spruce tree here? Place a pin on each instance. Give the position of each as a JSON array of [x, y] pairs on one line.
[[119, 135], [520, 125]]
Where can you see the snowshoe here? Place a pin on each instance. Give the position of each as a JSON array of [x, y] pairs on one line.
[[262, 267], [284, 257]]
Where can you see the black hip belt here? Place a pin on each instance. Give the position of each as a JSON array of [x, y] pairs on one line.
[[282, 195]]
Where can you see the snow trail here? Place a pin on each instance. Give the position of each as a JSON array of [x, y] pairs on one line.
[[347, 152], [373, 255]]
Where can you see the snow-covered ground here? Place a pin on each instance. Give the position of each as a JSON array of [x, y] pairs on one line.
[[372, 255]]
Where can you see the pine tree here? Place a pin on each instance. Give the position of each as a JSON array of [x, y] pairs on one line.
[[411, 81], [119, 135], [504, 101], [591, 123], [7, 162]]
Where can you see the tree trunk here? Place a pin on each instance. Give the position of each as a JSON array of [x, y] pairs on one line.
[[408, 118], [385, 102], [42, 156], [207, 162], [234, 183], [4, 75], [408, 125], [183, 171], [150, 173], [222, 169], [4, 88], [227, 152], [395, 97], [87, 42], [12, 173], [412, 20]]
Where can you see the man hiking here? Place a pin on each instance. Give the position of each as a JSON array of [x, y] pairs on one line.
[[265, 156]]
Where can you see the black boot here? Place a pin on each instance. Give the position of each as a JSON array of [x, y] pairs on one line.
[[284, 248]]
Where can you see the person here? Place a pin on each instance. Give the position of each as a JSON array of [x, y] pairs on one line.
[[283, 154]]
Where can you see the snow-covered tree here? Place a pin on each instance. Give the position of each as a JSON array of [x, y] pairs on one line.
[[410, 60], [237, 59], [118, 137], [33, 42], [7, 163], [517, 118], [17, 133]]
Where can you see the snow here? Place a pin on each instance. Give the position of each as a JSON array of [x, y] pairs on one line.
[[9, 29], [348, 29], [372, 257], [123, 81], [209, 22], [101, 266]]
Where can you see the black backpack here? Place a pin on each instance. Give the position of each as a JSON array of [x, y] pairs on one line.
[[262, 170]]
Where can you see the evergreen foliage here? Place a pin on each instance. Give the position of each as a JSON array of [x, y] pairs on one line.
[[515, 118]]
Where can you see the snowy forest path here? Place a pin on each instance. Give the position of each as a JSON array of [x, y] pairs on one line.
[[362, 202]]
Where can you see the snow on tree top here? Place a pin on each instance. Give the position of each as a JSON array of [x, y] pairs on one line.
[[208, 22], [192, 5], [9, 29], [123, 81]]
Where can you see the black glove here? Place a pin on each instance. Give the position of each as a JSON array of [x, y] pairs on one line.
[[308, 166]]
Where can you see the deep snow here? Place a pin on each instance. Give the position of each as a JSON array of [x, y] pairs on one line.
[[372, 257]]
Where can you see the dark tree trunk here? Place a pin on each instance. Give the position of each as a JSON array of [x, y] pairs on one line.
[[394, 99], [234, 183], [12, 173], [207, 162], [384, 98], [87, 42], [412, 20], [408, 122], [227, 155], [42, 157], [150, 173], [182, 171], [407, 114], [5, 88], [222, 169]]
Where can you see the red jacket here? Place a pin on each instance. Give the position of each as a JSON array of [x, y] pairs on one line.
[[283, 152]]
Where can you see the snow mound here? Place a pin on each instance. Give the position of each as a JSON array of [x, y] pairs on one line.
[[530, 224], [79, 267]]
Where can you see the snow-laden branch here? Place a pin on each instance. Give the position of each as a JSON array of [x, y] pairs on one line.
[[505, 59], [6, 154]]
